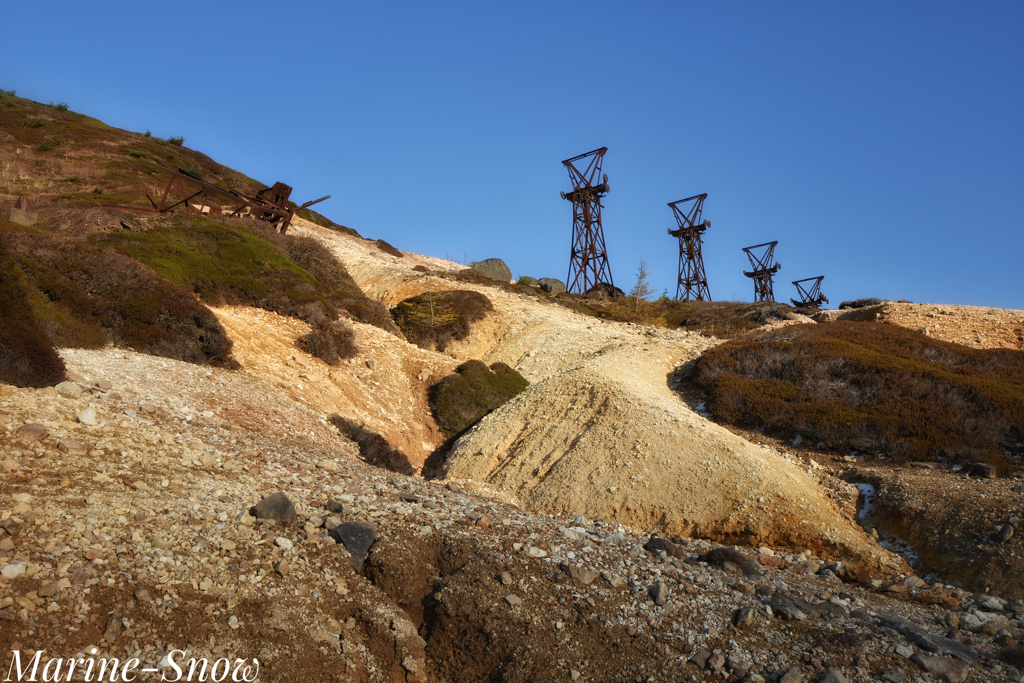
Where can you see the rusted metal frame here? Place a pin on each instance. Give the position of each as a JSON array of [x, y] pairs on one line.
[[810, 297], [761, 272], [692, 279], [589, 254]]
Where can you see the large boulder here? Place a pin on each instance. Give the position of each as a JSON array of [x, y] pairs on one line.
[[493, 268], [859, 303], [603, 290], [551, 285]]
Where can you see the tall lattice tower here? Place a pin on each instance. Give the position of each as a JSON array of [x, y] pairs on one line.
[[588, 261], [810, 295], [692, 280], [762, 270]]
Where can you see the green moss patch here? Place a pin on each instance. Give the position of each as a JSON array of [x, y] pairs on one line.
[[460, 400]]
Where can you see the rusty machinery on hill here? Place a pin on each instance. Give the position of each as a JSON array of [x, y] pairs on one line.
[[270, 204], [762, 270], [692, 282], [588, 261], [810, 295]]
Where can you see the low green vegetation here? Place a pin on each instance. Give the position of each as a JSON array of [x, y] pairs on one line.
[[433, 319], [86, 297], [462, 399], [239, 261], [874, 388]]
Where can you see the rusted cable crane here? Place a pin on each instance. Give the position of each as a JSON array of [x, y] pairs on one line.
[[762, 271], [692, 280], [588, 260], [810, 296], [270, 204]]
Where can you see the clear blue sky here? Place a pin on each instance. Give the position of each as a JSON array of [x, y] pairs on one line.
[[881, 143]]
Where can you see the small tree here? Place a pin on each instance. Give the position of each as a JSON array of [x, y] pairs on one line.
[[642, 288]]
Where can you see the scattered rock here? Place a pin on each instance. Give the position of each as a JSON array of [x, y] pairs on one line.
[[551, 285], [357, 537], [277, 507], [113, 629], [13, 571], [584, 576], [282, 568], [743, 617], [142, 595], [283, 543], [671, 549], [69, 390], [30, 433], [658, 593], [371, 363], [1005, 534], [328, 465], [833, 676], [943, 668], [514, 600]]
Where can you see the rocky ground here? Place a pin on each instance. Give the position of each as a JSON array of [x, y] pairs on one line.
[[127, 528]]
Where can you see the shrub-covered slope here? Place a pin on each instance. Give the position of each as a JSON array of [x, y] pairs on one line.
[[27, 356], [98, 275], [871, 387], [434, 319], [462, 399]]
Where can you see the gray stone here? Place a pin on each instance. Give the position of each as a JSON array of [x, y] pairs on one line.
[[1005, 534], [833, 676], [69, 390], [927, 641], [357, 537], [551, 285], [904, 650], [584, 576], [942, 668], [794, 675], [277, 507], [142, 595], [658, 593], [493, 268], [894, 675], [87, 417], [371, 363], [113, 629], [655, 544], [13, 570], [514, 600], [103, 385], [701, 658], [743, 617]]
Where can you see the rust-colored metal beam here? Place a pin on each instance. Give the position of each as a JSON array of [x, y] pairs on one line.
[[588, 259], [762, 271], [810, 296], [692, 281], [270, 204]]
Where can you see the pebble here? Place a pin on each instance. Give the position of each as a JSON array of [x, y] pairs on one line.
[[328, 465], [69, 390], [514, 600], [357, 537], [13, 570], [281, 542]]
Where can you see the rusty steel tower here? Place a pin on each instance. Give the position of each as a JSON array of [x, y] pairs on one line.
[[692, 283], [588, 261], [763, 270], [810, 296]]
